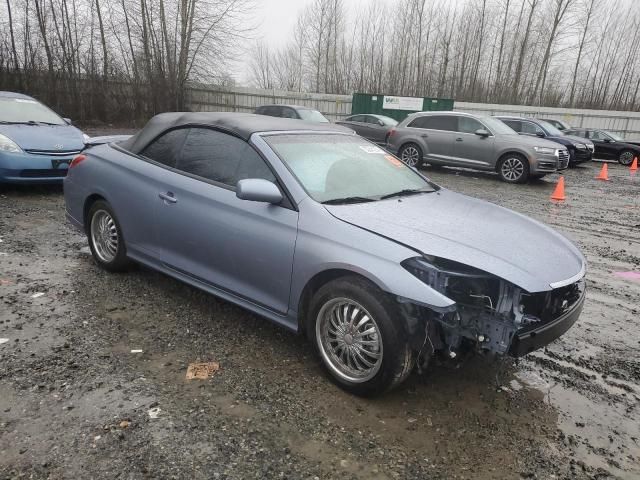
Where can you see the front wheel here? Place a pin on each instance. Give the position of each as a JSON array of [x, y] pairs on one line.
[[105, 238], [356, 333], [626, 158], [513, 168], [411, 154]]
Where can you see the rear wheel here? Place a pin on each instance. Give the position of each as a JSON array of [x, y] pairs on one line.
[[105, 238], [411, 154], [626, 158], [352, 327], [513, 168]]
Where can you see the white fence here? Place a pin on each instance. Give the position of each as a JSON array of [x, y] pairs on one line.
[[237, 99]]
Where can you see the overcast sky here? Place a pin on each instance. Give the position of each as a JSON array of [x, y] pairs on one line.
[[276, 20]]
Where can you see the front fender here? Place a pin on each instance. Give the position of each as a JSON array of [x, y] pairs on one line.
[[347, 247]]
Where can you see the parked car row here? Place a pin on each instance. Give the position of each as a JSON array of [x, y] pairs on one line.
[[477, 142], [465, 140]]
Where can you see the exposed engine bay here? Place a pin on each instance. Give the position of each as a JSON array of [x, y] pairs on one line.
[[488, 311]]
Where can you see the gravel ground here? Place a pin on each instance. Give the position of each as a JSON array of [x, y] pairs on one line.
[[75, 402]]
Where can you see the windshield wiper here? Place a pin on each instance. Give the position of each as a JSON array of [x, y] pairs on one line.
[[406, 192], [346, 200]]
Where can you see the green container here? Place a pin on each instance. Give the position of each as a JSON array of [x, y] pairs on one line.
[[396, 107]]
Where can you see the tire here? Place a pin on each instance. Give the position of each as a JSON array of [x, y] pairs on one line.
[[626, 157], [105, 238], [411, 154], [383, 359], [513, 168]]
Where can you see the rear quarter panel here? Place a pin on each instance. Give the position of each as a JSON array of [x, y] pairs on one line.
[[127, 183]]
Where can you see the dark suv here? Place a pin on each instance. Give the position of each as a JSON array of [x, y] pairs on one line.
[[292, 111], [580, 150]]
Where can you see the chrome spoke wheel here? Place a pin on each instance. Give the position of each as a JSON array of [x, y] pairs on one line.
[[349, 340], [104, 236], [512, 169], [410, 156], [626, 158]]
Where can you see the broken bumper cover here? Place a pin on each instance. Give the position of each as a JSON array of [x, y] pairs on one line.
[[528, 340]]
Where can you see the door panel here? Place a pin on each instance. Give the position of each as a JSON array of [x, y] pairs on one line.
[[438, 133], [474, 150], [603, 150], [470, 149], [205, 231], [243, 247]]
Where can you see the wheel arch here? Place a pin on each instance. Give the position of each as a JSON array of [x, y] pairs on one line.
[[318, 281], [511, 152], [88, 203]]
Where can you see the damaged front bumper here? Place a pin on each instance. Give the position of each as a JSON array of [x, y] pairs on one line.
[[491, 313], [527, 340]]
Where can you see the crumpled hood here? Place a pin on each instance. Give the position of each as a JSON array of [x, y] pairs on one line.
[[44, 137], [470, 231]]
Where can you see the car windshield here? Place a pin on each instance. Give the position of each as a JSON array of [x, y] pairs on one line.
[[25, 110], [345, 168], [496, 126], [312, 116], [550, 129], [389, 122], [617, 138]]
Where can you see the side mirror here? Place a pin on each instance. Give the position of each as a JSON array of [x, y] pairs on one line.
[[481, 132], [68, 121], [540, 134], [258, 190], [607, 140], [381, 123]]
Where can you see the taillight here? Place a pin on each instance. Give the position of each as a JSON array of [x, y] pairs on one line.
[[392, 132], [77, 161]]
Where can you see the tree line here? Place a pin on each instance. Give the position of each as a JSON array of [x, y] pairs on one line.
[[117, 60], [570, 53]]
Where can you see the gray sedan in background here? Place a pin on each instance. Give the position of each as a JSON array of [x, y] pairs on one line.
[[328, 235], [475, 141], [375, 128]]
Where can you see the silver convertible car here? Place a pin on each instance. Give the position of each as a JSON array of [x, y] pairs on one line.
[[328, 235]]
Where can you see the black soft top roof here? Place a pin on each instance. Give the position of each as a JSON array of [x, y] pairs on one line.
[[242, 125]]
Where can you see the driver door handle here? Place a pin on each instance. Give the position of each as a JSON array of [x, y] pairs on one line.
[[459, 139], [424, 135], [168, 197]]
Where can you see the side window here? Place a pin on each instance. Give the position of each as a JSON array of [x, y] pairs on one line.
[[272, 111], [598, 135], [531, 128], [436, 122], [165, 149], [370, 119], [289, 113], [469, 125], [514, 125], [221, 157]]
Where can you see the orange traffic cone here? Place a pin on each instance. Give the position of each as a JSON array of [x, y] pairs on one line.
[[558, 193], [634, 165], [604, 173]]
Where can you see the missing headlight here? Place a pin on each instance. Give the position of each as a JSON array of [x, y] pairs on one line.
[[488, 309]]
